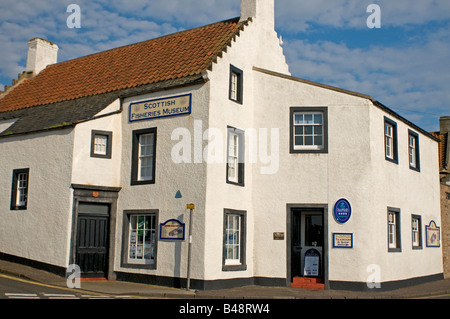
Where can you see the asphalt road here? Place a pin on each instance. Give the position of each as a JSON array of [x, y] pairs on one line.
[[17, 288]]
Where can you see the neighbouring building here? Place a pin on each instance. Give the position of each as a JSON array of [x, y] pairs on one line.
[[444, 171], [290, 178]]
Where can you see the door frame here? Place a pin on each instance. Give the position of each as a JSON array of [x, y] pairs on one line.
[[96, 195], [325, 250]]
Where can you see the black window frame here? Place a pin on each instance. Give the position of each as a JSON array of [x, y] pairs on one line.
[[419, 218], [135, 156], [398, 237], [108, 135], [243, 240], [416, 137], [241, 156], [15, 177], [303, 109], [240, 85], [126, 235], [394, 158]]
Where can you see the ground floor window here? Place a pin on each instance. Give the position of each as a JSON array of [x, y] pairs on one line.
[[416, 231], [394, 240], [234, 240], [140, 238]]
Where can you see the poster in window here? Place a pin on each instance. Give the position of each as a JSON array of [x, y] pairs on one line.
[[172, 230], [433, 235]]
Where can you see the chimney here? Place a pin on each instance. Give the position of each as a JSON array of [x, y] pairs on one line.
[[41, 53], [262, 10]]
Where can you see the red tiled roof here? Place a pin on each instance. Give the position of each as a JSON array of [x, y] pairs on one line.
[[169, 57]]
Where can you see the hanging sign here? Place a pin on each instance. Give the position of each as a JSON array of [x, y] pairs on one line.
[[433, 235], [342, 211], [172, 230], [152, 109]]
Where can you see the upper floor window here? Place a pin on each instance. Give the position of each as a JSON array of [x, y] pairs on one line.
[[235, 156], [101, 144], [390, 140], [236, 85], [413, 147], [143, 157], [309, 131], [19, 193]]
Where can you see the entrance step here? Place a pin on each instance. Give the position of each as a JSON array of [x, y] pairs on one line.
[[308, 283]]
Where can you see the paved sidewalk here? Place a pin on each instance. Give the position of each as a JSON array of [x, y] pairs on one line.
[[120, 288]]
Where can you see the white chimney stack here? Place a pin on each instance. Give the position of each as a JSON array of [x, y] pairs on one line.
[[41, 53], [262, 10]]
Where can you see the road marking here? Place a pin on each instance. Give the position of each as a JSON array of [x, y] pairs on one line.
[[21, 296]]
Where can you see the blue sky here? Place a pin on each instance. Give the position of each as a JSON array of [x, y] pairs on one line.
[[404, 64]]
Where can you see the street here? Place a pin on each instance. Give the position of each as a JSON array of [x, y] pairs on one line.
[[17, 288]]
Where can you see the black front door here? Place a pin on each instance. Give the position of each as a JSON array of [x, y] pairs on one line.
[[92, 239]]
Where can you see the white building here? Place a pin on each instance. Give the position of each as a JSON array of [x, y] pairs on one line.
[[100, 155]]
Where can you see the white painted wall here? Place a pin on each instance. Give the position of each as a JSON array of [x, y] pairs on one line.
[[96, 171], [189, 178], [42, 232]]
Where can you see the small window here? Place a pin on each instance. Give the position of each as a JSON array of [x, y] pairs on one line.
[[390, 140], [309, 131], [234, 240], [236, 85], [101, 144], [235, 156], [413, 147], [416, 231], [144, 157], [19, 193], [140, 239], [394, 240]]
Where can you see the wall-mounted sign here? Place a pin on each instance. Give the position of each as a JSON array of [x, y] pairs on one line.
[[433, 235], [342, 211], [171, 106], [341, 240], [172, 230], [278, 236]]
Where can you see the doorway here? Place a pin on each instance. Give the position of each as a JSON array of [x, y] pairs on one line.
[[306, 243], [92, 239]]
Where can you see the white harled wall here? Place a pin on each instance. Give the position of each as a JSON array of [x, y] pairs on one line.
[[42, 231]]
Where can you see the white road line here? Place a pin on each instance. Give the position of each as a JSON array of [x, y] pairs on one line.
[[59, 296], [21, 296]]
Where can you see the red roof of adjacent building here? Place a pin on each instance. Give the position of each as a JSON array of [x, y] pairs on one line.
[[166, 58]]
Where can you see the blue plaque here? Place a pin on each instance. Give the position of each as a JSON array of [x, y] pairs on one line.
[[342, 211]]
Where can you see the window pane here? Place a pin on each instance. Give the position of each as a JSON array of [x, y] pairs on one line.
[[318, 130], [308, 118], [318, 140], [299, 130], [299, 140], [308, 140], [308, 130], [298, 119], [318, 118]]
